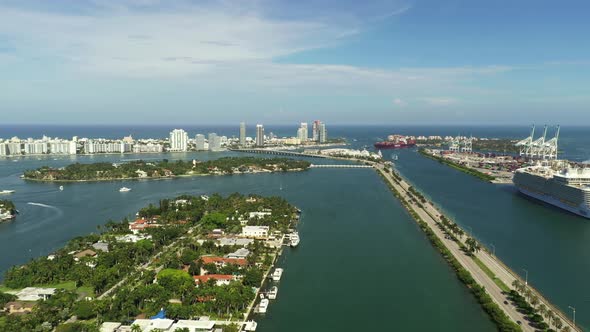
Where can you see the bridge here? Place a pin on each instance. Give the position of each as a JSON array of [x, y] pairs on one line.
[[280, 153], [340, 166]]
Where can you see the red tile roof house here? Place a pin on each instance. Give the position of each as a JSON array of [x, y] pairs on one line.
[[220, 279], [221, 262], [141, 224]]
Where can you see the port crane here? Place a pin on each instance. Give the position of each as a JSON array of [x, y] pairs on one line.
[[539, 148]]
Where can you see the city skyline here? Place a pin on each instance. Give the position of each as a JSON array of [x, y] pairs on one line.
[[279, 62]]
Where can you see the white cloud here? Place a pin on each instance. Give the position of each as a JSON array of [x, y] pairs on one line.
[[123, 41], [215, 44]]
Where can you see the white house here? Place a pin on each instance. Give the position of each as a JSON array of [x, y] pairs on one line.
[[259, 214], [255, 231]]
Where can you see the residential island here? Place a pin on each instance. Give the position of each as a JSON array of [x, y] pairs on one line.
[[194, 262], [164, 169]]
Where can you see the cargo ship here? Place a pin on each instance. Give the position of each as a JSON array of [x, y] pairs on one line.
[[395, 142], [562, 186]]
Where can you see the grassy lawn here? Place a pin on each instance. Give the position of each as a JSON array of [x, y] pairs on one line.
[[491, 274], [5, 289], [67, 285]]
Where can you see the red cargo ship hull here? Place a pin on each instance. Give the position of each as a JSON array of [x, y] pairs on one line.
[[394, 145]]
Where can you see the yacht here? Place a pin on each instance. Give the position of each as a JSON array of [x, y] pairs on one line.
[[250, 326], [4, 192], [263, 306], [124, 189], [272, 294], [294, 239], [276, 275]]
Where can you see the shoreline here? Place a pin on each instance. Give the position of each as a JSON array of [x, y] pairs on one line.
[[459, 167], [155, 178]]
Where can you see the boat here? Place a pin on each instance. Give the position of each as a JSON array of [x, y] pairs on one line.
[[560, 184], [276, 275], [250, 325], [6, 192], [395, 142], [263, 306], [124, 189], [272, 293], [61, 187], [294, 239]]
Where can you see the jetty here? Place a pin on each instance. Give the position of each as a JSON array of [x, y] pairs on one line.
[[498, 275]]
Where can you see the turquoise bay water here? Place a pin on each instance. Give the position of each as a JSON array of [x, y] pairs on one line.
[[362, 262]]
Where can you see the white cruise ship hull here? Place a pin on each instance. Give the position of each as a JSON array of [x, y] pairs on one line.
[[581, 210]]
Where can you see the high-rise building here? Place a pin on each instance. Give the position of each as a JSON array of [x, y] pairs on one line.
[[259, 135], [242, 133], [302, 133], [200, 142], [323, 133], [315, 131], [178, 140], [214, 142]]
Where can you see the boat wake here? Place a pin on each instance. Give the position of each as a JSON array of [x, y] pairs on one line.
[[43, 205], [26, 225]]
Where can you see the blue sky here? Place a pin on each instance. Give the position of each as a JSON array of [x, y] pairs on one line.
[[342, 61]]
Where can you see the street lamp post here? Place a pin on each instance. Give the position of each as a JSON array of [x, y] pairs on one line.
[[526, 278], [574, 310]]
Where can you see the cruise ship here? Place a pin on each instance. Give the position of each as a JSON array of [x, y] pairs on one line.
[[562, 186]]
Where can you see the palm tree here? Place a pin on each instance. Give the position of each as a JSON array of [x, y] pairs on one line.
[[542, 310], [517, 285], [528, 293], [472, 245], [550, 316], [558, 323], [566, 329], [534, 300]]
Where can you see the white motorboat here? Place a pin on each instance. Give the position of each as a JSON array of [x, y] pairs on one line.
[[250, 325], [272, 293], [5, 192], [294, 239], [124, 189], [61, 187], [276, 275], [263, 306]]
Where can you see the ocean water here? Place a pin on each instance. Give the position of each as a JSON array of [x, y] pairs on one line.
[[362, 262]]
